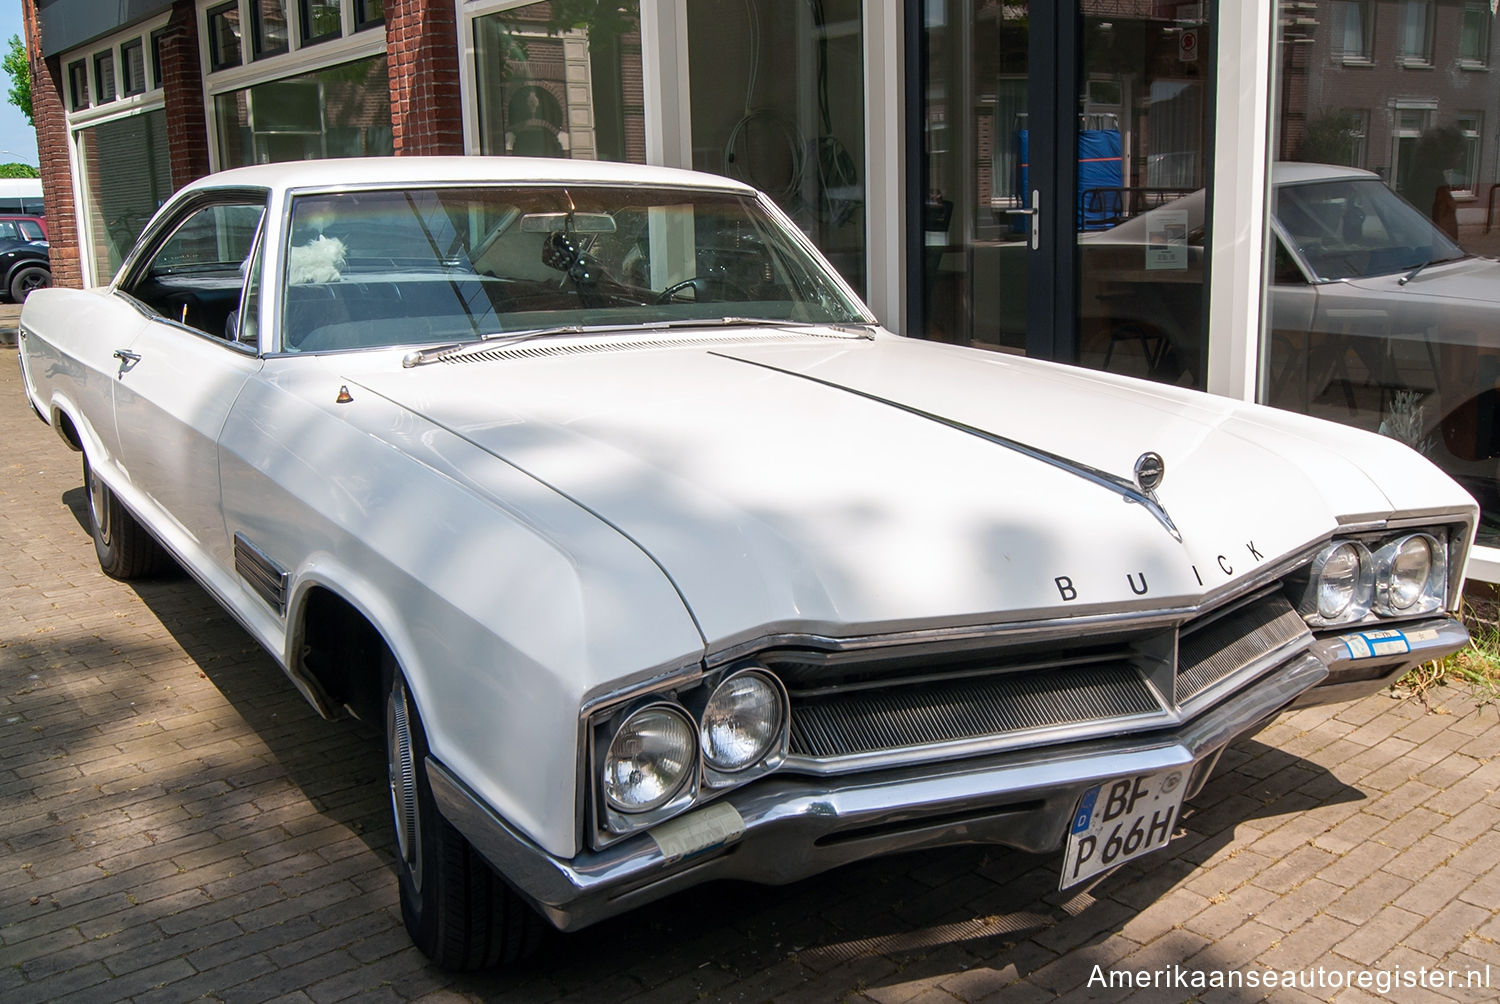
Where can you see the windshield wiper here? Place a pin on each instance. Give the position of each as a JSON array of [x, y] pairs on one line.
[[1408, 277], [437, 353], [501, 339]]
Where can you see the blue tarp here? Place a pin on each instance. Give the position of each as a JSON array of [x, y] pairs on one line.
[[1101, 165]]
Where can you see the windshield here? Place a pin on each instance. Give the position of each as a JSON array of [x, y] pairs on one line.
[[414, 266], [1354, 228]]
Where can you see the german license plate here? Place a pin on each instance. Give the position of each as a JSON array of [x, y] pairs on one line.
[[1120, 820]]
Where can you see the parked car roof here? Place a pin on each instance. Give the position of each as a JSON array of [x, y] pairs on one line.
[[398, 171]]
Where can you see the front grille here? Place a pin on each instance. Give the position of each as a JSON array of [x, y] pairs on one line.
[[951, 710], [1233, 641]]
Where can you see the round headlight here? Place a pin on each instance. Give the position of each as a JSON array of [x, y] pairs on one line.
[[1338, 580], [1411, 568], [741, 722], [649, 759]]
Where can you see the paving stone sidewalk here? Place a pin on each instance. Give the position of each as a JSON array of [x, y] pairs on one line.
[[175, 823]]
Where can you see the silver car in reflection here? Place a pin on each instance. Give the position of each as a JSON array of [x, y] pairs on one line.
[[1377, 318]]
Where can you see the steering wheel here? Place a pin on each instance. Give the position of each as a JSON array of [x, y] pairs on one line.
[[702, 287]]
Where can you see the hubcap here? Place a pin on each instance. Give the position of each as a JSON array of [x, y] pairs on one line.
[[99, 507], [403, 777]]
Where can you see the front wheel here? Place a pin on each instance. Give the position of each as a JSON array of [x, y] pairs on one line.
[[457, 910], [125, 549]]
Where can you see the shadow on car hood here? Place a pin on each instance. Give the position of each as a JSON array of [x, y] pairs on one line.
[[874, 486]]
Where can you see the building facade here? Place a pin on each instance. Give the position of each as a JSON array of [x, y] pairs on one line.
[[1092, 181]]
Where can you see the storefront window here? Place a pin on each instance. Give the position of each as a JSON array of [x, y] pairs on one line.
[[554, 82], [777, 92], [1381, 309], [1142, 227], [118, 204], [338, 111]]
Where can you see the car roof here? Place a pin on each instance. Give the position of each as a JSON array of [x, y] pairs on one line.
[[1287, 172], [364, 171]]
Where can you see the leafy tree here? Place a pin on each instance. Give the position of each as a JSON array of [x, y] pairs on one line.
[[17, 170], [19, 68]]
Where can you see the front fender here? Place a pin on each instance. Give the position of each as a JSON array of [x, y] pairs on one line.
[[505, 603]]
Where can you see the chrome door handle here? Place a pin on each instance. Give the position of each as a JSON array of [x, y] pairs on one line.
[[127, 360], [1035, 212]]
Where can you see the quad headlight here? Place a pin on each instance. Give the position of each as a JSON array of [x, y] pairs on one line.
[[741, 722], [651, 757], [664, 754], [1403, 576], [1341, 585], [1411, 575]]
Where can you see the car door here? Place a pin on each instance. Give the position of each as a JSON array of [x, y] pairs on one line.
[[181, 375]]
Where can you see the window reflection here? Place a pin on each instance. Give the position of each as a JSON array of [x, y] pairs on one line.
[[554, 81], [778, 102], [1142, 174], [338, 111], [118, 204], [1382, 312]]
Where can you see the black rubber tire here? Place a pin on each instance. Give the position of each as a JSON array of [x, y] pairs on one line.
[[457, 910], [27, 279], [126, 550]]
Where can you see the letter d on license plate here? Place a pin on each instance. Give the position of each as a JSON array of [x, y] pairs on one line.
[[1122, 819]]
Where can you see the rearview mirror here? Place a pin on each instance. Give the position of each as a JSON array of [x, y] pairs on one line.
[[578, 223]]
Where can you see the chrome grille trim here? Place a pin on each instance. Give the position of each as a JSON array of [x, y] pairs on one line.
[[1233, 641], [1001, 709]]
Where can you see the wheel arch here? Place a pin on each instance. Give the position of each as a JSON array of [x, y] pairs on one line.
[[62, 421], [335, 644]]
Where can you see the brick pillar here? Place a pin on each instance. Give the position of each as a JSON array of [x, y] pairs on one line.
[[182, 91], [48, 112], [421, 37]]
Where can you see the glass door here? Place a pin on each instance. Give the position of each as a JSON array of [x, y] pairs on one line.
[[980, 229], [1062, 182], [1144, 132]]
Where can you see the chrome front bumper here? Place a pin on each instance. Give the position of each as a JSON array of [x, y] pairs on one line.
[[787, 827]]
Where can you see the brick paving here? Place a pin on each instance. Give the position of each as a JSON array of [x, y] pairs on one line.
[[176, 823]]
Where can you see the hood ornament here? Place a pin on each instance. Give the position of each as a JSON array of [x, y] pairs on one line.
[[1150, 471]]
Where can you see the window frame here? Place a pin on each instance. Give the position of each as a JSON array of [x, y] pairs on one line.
[[1481, 12], [1408, 58], [161, 231], [88, 114], [218, 60], [137, 46], [1473, 137], [80, 94], [103, 74], [258, 49], [1365, 55]]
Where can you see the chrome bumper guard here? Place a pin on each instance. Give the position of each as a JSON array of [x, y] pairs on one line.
[[790, 826]]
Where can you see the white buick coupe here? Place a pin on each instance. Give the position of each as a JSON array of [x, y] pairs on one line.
[[658, 561]]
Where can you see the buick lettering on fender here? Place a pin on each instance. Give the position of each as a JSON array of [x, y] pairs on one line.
[[657, 560]]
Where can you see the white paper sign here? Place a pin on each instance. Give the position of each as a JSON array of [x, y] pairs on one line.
[[1166, 240]]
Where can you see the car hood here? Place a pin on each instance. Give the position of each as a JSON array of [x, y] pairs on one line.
[[1472, 279], [851, 486]]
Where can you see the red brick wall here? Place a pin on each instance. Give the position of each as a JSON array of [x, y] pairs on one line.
[[421, 37], [182, 90], [48, 112]]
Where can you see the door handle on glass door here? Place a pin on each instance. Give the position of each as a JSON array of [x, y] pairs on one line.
[[1035, 212]]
